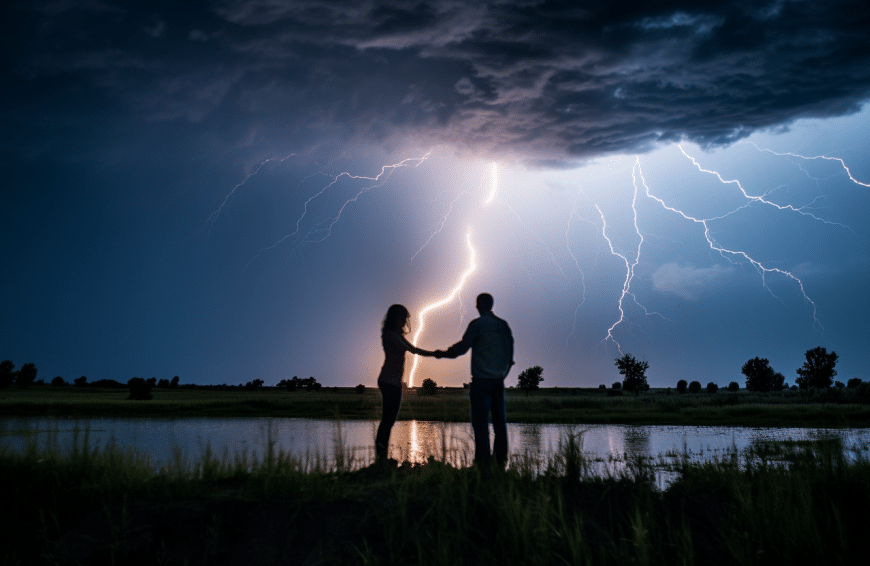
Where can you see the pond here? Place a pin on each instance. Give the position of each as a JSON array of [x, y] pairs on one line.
[[609, 448]]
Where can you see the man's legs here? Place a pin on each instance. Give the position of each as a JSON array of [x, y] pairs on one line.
[[499, 422], [481, 402]]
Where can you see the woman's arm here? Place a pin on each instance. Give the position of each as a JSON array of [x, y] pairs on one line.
[[415, 350]]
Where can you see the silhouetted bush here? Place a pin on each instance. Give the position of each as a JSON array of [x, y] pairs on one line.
[[26, 376], [163, 384], [760, 376], [429, 387], [712, 387], [58, 381], [140, 388], [602, 386], [529, 379], [695, 387], [682, 385], [634, 372], [733, 386], [818, 370], [617, 385], [7, 373], [80, 381], [853, 383], [360, 388], [174, 383], [254, 384]]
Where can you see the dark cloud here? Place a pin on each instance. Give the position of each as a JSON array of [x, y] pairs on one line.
[[539, 80]]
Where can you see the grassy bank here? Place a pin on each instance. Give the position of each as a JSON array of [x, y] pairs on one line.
[[581, 406], [110, 507]]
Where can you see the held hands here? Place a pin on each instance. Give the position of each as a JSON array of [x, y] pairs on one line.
[[438, 354]]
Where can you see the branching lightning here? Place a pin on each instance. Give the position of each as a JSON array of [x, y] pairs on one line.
[[440, 226], [727, 253], [761, 199], [807, 158], [214, 215], [472, 266], [377, 181]]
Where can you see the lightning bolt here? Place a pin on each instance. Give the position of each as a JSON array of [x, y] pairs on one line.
[[214, 215], [377, 181], [726, 253], [807, 158], [629, 265], [761, 199], [441, 226], [472, 266]]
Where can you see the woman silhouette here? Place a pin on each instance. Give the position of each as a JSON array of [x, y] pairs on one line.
[[396, 325]]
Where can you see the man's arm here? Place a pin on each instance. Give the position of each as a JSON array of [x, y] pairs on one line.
[[463, 345]]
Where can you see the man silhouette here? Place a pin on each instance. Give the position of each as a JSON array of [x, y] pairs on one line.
[[492, 354]]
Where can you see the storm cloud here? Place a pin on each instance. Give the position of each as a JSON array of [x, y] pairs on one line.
[[548, 82]]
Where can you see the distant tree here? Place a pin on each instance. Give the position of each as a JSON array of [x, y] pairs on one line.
[[818, 370], [733, 386], [152, 381], [58, 381], [853, 383], [617, 386], [760, 376], [81, 381], [712, 387], [163, 383], [26, 375], [839, 385], [174, 383], [7, 373], [360, 388], [634, 372], [429, 387], [602, 386], [682, 385], [140, 389], [254, 384], [529, 379], [695, 387]]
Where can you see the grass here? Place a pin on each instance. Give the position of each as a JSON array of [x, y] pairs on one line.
[[781, 503], [556, 405]]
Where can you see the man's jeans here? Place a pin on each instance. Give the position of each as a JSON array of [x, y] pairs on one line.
[[488, 395]]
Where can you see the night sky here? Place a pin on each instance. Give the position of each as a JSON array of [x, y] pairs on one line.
[[228, 190]]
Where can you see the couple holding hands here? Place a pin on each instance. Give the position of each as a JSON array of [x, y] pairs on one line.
[[492, 354]]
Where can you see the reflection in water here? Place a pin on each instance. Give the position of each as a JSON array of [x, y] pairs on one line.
[[610, 448]]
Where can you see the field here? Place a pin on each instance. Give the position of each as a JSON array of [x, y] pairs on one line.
[[834, 408], [792, 503]]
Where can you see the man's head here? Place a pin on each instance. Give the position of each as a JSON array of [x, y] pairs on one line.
[[484, 302]]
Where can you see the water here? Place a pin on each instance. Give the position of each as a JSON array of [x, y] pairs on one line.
[[608, 447]]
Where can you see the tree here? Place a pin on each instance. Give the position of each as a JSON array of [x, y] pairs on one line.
[[853, 383], [682, 385], [695, 387], [7, 373], [26, 376], [733, 386], [634, 372], [760, 376], [81, 381], [140, 388], [429, 387], [617, 386], [58, 381], [818, 370], [163, 383], [360, 388], [712, 387], [529, 379], [174, 383]]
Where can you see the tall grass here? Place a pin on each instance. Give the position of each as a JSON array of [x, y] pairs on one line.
[[775, 503]]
